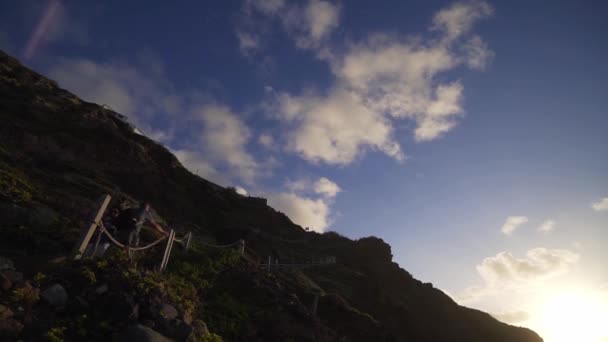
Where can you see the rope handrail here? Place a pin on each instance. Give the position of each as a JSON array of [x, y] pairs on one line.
[[183, 239], [121, 245]]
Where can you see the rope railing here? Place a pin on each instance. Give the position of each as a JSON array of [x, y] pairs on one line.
[[104, 230], [97, 225], [182, 239], [187, 239], [167, 254]]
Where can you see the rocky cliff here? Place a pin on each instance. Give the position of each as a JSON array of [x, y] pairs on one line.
[[58, 154]]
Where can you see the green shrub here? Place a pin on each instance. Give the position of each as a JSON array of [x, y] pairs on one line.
[[15, 186], [226, 314], [89, 275], [56, 334], [211, 337]]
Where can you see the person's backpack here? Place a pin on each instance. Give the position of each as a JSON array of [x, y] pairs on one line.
[[127, 219]]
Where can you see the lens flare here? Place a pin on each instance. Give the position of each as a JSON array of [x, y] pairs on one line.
[[42, 28]]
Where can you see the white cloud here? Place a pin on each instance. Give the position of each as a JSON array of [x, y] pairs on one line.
[[547, 226], [440, 112], [326, 187], [539, 263], [322, 18], [307, 203], [511, 317], [600, 205], [458, 19], [471, 294], [247, 41], [266, 140], [300, 185], [312, 25], [394, 76], [477, 53], [504, 272], [382, 80], [224, 138], [194, 161], [335, 129], [302, 210], [512, 223], [322, 186]]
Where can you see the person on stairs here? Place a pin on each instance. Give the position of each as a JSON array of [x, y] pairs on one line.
[[131, 221]]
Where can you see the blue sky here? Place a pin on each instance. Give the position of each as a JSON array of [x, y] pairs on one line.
[[431, 124]]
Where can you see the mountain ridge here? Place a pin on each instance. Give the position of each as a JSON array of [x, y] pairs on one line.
[[59, 153]]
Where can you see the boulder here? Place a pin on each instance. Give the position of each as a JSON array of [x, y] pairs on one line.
[[140, 333], [55, 296], [168, 311], [174, 328], [102, 289], [6, 264], [199, 329]]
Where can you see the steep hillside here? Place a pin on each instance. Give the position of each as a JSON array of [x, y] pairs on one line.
[[58, 154]]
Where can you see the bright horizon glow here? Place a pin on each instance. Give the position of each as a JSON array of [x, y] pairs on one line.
[[572, 316]]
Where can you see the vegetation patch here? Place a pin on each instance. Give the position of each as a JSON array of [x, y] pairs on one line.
[[15, 186]]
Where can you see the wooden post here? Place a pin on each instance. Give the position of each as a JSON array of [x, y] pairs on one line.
[[87, 233], [242, 247], [315, 303], [188, 241], [167, 254]]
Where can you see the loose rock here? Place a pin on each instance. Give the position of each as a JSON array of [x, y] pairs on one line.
[[168, 311], [140, 333], [174, 328], [55, 296], [102, 289], [199, 329]]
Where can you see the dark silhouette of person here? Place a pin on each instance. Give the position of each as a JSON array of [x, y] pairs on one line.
[[133, 219]]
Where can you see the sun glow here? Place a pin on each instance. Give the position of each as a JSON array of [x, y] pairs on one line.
[[574, 316]]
